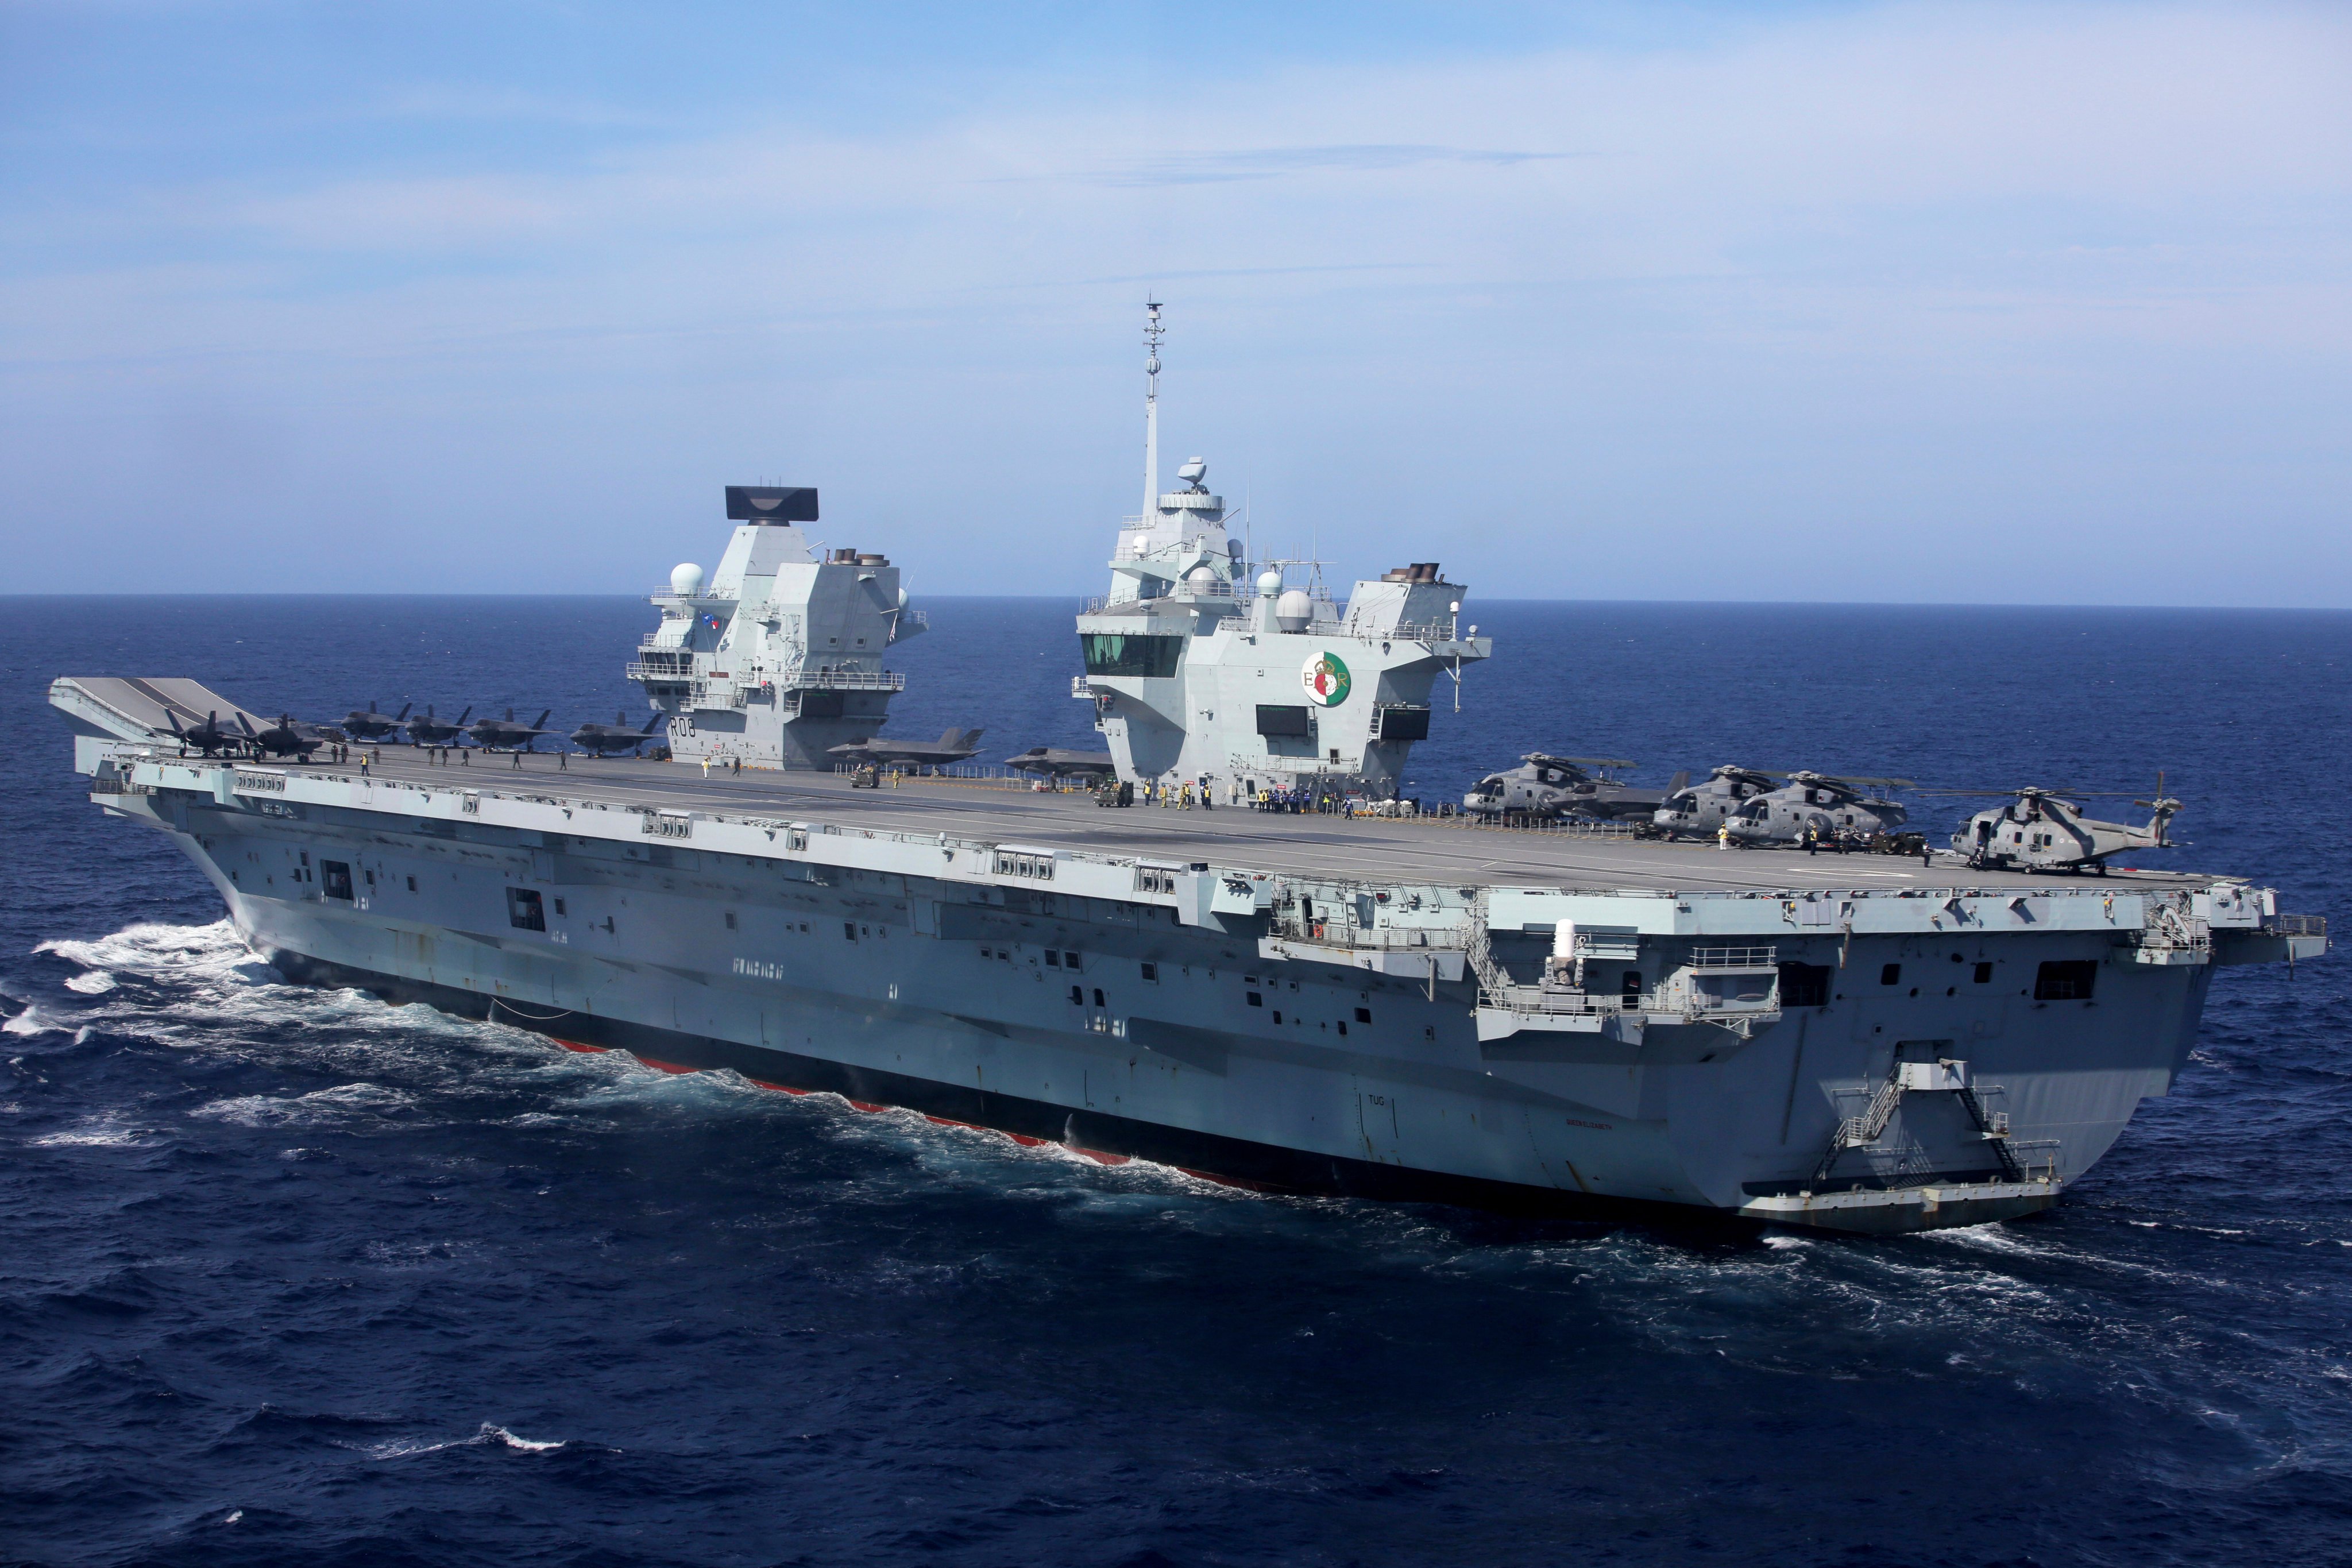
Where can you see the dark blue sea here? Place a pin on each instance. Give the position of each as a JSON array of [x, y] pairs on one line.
[[293, 1276]]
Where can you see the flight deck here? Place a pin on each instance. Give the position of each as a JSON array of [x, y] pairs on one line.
[[1441, 850]]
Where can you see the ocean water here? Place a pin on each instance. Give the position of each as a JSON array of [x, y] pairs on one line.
[[292, 1276]]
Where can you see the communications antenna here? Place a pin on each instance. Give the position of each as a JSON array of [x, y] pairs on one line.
[[1152, 332]]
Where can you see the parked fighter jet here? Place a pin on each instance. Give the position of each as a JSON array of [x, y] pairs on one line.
[[1698, 810], [287, 738], [208, 738], [2039, 831], [603, 740], [1545, 785], [431, 731], [506, 735], [1053, 762], [952, 746], [367, 724], [1835, 811]]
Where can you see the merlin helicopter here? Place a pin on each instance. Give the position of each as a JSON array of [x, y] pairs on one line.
[[505, 735], [1698, 810], [952, 746], [367, 724], [432, 731], [604, 739], [1545, 785], [1821, 808], [2044, 830]]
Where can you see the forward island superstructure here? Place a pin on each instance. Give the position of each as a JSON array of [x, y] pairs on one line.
[[778, 657], [1374, 1005]]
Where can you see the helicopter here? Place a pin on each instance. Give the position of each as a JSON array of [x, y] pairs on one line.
[[1835, 811], [431, 731], [2046, 830], [1545, 785], [1698, 810], [367, 724]]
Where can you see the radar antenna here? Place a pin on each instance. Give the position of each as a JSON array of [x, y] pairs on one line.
[[1152, 332]]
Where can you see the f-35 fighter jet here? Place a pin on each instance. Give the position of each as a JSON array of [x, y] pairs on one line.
[[603, 740], [506, 735], [952, 746], [367, 724]]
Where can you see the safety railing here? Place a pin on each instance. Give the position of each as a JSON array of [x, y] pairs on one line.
[[1764, 957], [822, 679]]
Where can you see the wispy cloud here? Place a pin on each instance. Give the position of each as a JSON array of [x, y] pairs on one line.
[[1273, 163]]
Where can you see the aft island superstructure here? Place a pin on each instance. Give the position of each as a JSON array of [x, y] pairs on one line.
[[1378, 1005], [1207, 671]]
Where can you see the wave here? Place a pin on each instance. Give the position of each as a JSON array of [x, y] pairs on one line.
[[488, 1434]]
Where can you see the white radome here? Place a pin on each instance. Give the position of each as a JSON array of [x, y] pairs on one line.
[[1294, 610], [1269, 582], [686, 579], [1202, 581]]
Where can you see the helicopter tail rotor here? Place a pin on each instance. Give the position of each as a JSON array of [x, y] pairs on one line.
[[2165, 807]]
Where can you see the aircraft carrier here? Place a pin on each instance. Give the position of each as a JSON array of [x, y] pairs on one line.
[[1377, 1005]]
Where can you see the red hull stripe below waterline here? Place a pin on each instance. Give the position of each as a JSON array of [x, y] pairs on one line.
[[1098, 1156]]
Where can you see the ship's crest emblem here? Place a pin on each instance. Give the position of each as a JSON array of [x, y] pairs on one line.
[[1325, 680]]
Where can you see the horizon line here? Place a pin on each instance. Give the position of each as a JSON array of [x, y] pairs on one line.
[[1080, 594]]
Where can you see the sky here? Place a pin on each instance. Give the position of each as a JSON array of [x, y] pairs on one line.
[[1958, 303]]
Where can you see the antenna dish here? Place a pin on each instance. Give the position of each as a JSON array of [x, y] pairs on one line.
[[1191, 472]]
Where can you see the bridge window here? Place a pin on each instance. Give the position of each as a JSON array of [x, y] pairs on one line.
[[1119, 653], [2066, 980], [524, 910]]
